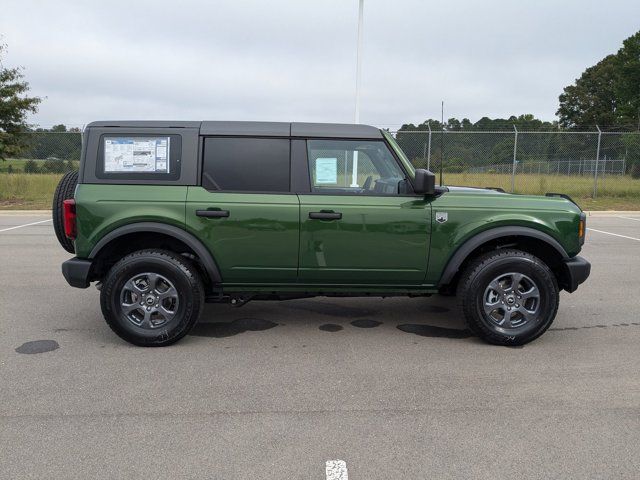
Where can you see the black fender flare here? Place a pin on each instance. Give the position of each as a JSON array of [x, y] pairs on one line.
[[453, 265], [190, 240]]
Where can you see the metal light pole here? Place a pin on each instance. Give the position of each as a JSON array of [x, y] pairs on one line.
[[429, 151], [515, 162], [595, 173], [354, 170], [359, 60]]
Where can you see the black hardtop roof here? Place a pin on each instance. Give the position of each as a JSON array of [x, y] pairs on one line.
[[261, 129]]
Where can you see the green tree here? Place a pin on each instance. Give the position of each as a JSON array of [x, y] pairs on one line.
[[31, 167], [606, 94], [15, 105], [632, 153], [627, 87], [54, 165], [591, 100], [471, 150]]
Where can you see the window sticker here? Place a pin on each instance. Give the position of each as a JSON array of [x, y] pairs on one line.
[[326, 171], [136, 154]]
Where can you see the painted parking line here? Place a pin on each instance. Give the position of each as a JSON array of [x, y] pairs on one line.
[[613, 234], [629, 218], [25, 225], [337, 470]]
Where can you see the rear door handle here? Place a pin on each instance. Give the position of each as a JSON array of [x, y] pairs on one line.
[[325, 215], [212, 213]]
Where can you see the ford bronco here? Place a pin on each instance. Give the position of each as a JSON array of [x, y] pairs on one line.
[[168, 215]]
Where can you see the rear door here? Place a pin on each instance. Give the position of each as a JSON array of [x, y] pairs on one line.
[[243, 210], [360, 223]]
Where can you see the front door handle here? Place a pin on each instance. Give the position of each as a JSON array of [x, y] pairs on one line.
[[212, 213], [325, 215]]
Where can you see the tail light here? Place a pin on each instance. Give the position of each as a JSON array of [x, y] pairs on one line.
[[69, 215]]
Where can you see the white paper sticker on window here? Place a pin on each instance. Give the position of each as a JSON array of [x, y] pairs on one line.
[[326, 171], [136, 154]]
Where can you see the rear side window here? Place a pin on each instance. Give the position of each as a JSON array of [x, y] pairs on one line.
[[246, 164], [139, 157]]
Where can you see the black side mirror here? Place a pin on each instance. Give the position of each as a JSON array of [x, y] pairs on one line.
[[425, 182]]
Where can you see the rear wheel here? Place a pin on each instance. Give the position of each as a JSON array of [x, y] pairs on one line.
[[65, 190], [152, 298], [508, 297]]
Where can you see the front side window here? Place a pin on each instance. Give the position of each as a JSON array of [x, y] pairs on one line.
[[354, 167], [246, 164]]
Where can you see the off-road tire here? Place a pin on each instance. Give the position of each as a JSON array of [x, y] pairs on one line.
[[175, 268], [476, 278], [65, 190]]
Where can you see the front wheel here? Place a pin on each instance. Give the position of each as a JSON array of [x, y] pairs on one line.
[[508, 297], [152, 298]]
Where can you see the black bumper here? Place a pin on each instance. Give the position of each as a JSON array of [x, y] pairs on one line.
[[76, 272], [576, 271]]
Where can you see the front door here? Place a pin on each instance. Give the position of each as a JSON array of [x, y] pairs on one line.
[[360, 225], [244, 212]]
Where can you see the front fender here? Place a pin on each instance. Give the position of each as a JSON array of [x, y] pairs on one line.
[[470, 226], [485, 236]]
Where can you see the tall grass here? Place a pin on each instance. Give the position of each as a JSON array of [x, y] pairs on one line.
[[531, 184], [18, 164], [20, 190]]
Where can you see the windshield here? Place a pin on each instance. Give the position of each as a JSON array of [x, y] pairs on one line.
[[403, 158]]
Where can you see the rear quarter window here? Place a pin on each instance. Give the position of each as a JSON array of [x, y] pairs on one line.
[[139, 157]]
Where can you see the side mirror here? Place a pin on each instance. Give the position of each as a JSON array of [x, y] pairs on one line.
[[425, 182]]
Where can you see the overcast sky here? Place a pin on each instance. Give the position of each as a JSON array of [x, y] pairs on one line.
[[295, 60]]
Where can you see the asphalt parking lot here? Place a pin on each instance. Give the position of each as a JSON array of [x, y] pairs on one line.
[[395, 388]]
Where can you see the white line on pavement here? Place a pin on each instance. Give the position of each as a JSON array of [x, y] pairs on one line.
[[337, 470], [629, 218], [25, 225], [614, 234]]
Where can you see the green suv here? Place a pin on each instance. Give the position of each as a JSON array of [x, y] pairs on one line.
[[168, 215]]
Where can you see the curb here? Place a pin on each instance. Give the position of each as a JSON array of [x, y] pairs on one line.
[[610, 213], [9, 213]]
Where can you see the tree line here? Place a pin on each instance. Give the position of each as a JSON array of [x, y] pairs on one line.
[[458, 145]]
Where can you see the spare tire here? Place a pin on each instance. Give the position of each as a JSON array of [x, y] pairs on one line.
[[64, 191]]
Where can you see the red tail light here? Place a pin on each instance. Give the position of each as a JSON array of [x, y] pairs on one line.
[[69, 210]]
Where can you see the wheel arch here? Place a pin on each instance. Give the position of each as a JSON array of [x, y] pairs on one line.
[[159, 233], [528, 239]]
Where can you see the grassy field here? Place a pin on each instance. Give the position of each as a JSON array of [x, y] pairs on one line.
[[27, 191], [614, 192], [35, 191], [17, 164]]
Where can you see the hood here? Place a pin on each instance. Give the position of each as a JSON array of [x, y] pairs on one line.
[[545, 200], [491, 190]]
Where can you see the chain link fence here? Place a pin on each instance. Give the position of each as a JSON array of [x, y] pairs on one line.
[[577, 163], [45, 152]]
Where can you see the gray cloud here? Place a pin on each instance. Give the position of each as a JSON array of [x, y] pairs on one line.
[[294, 60]]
